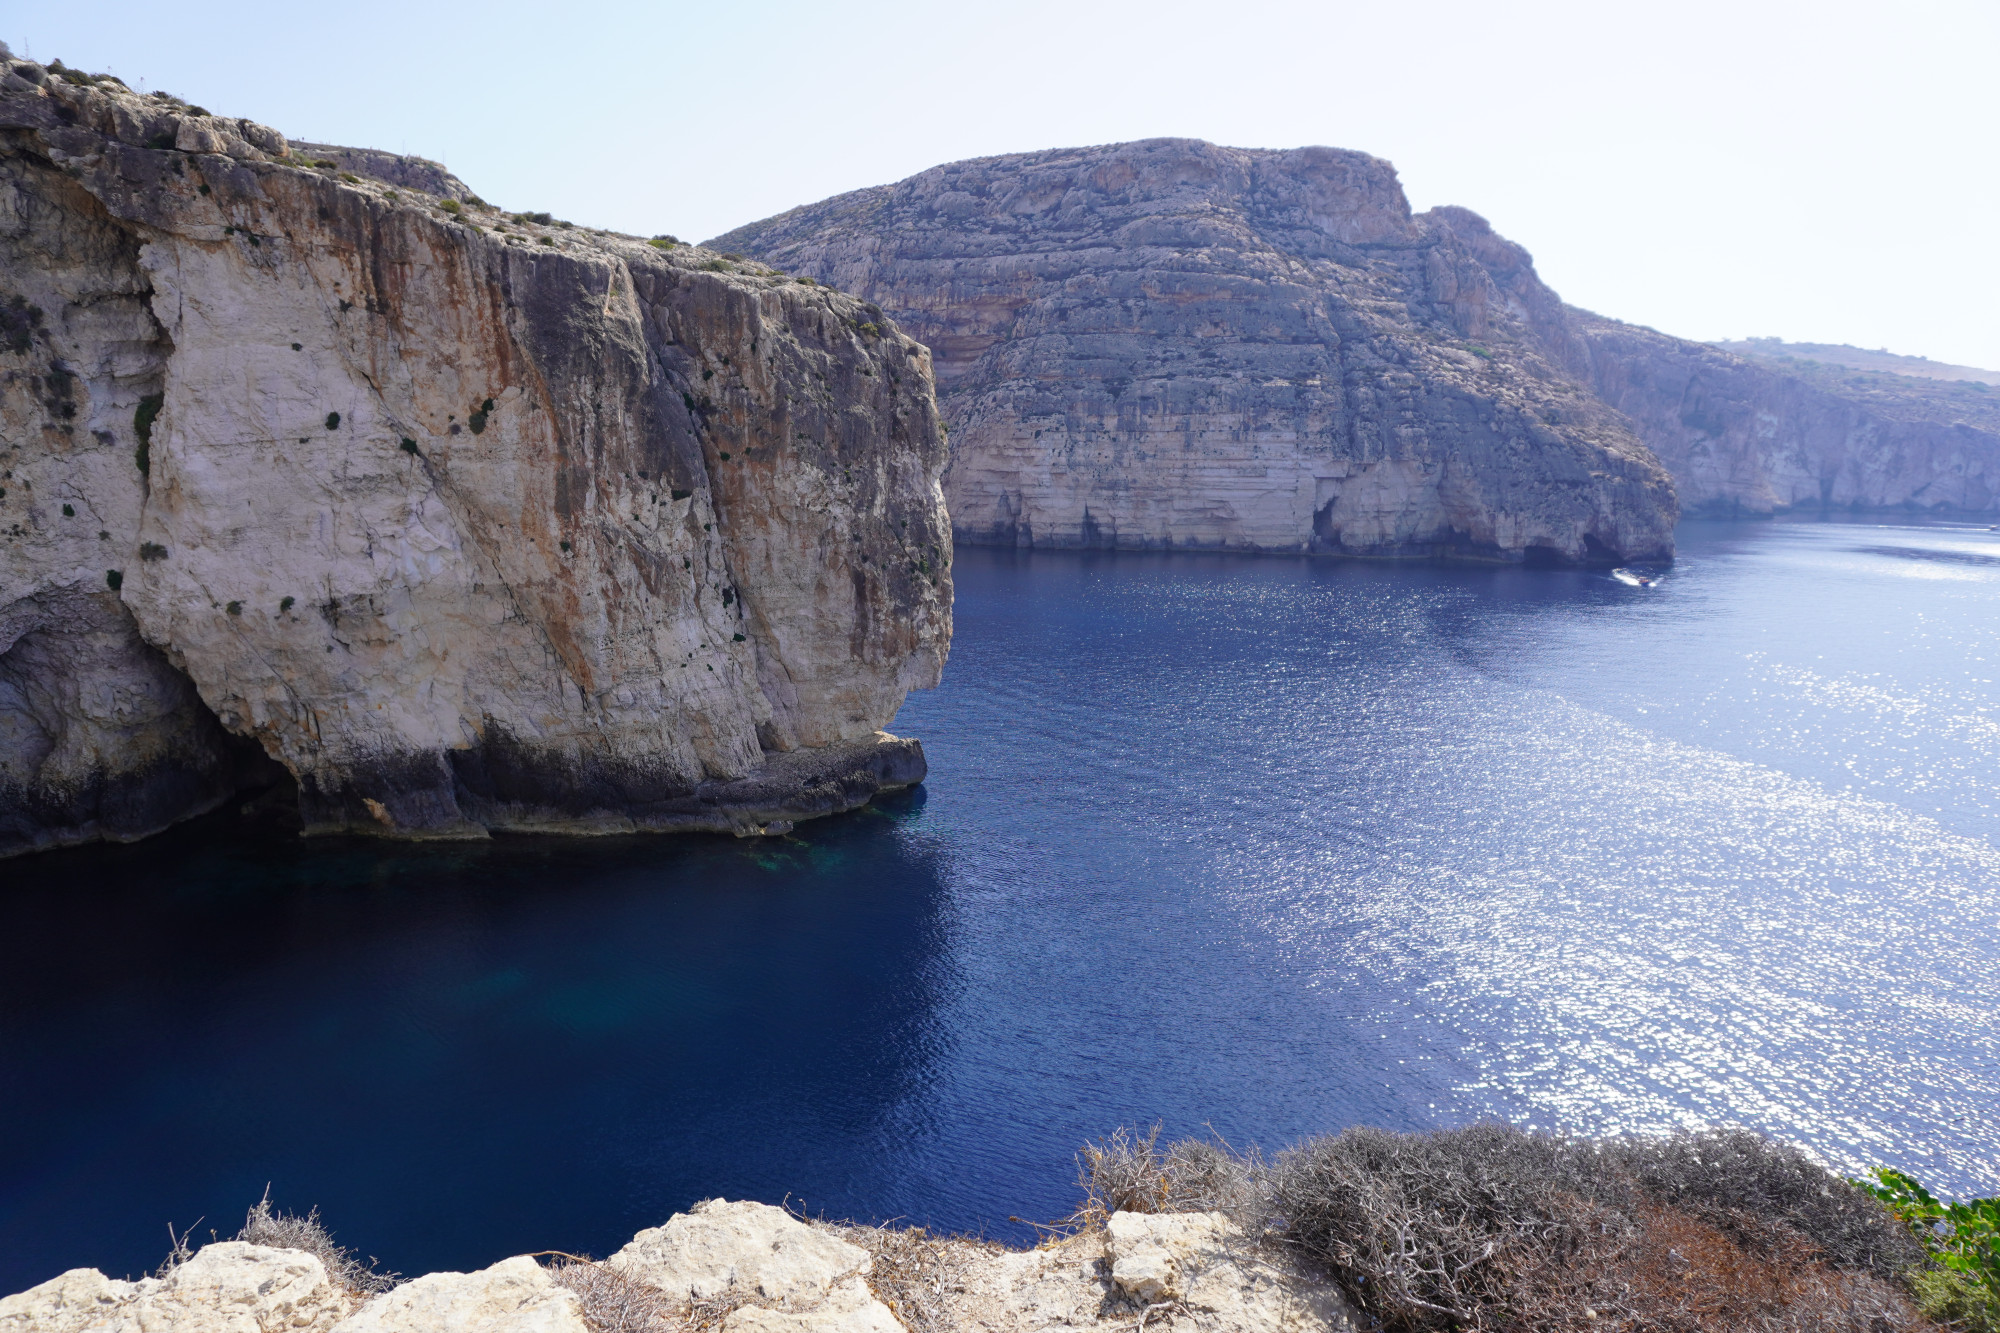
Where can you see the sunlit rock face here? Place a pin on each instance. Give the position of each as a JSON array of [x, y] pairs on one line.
[[467, 522], [1745, 437], [1173, 344]]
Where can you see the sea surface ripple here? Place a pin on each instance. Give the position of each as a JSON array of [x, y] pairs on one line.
[[1256, 847]]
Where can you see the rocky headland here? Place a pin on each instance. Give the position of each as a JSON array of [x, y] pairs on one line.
[[315, 468], [1169, 343]]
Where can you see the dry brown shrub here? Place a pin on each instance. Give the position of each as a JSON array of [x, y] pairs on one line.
[[615, 1303], [1129, 1172], [265, 1225], [916, 1273], [1493, 1228], [1675, 1273]]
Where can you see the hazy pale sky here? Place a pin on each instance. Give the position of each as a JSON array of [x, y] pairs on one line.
[[1824, 172]]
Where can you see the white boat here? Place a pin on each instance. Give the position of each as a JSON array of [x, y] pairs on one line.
[[1636, 578]]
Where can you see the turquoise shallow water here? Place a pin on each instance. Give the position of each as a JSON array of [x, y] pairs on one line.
[[1269, 845]]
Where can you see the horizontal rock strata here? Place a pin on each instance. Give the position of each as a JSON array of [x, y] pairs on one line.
[[1747, 436], [740, 1268], [469, 522], [1171, 344]]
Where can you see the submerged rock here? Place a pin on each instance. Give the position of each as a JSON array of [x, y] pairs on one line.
[[468, 521], [1171, 344]]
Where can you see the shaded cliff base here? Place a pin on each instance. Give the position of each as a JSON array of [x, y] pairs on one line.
[[68, 795], [1482, 1228]]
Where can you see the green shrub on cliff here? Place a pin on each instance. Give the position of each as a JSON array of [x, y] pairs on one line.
[[1962, 1241]]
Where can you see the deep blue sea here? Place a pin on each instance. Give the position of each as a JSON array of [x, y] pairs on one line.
[[1259, 847]]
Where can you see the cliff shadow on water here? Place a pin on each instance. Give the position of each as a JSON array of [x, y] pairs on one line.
[[556, 1037]]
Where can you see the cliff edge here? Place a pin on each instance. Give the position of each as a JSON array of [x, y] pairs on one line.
[[468, 521], [1174, 344]]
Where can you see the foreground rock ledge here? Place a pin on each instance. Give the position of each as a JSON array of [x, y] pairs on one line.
[[466, 521], [756, 1268]]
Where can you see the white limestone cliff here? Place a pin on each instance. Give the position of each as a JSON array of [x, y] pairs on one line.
[[468, 522]]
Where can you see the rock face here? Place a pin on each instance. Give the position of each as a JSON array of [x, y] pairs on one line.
[[1167, 343], [229, 1287], [1750, 436], [744, 1268], [718, 1245], [516, 1295], [469, 522], [779, 1274], [1171, 344]]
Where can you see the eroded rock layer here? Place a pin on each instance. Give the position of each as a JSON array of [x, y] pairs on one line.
[[1172, 344], [470, 522], [1743, 436]]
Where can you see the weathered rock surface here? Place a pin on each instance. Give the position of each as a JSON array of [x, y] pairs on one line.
[[228, 1287], [755, 1248], [1744, 436], [1201, 1262], [1171, 344], [513, 1296], [1167, 343], [469, 522], [755, 1269]]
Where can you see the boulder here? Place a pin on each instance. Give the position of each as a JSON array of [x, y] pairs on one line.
[[228, 1287], [752, 1248], [1203, 1263], [79, 1299], [513, 1296]]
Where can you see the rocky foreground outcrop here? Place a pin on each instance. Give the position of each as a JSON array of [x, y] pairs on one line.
[[1172, 344], [467, 521], [741, 1268]]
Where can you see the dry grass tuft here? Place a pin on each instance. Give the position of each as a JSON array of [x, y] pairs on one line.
[[615, 1303], [916, 1273], [264, 1225], [1128, 1172]]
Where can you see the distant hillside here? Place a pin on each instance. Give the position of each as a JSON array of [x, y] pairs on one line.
[[1170, 343], [1856, 358]]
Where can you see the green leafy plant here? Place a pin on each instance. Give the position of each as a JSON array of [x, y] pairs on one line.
[[285, 604], [234, 608], [449, 206], [410, 447], [114, 579], [333, 421], [1961, 1237], [152, 551], [663, 242]]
